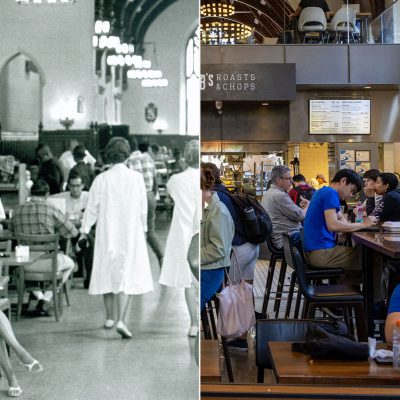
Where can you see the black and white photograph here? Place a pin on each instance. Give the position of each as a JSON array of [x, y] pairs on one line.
[[99, 199]]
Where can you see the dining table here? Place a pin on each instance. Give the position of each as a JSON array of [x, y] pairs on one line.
[[11, 260], [384, 243], [296, 368]]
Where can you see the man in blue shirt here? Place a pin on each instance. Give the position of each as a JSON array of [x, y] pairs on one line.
[[324, 219], [393, 314]]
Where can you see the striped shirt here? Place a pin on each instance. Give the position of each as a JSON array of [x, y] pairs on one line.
[[37, 217], [143, 163]]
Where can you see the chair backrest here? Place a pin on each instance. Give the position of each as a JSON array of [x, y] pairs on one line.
[[282, 330], [343, 18], [46, 243], [295, 260], [314, 16], [272, 248], [5, 247]]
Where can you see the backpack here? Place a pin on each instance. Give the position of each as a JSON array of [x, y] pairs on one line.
[[306, 193], [256, 225]]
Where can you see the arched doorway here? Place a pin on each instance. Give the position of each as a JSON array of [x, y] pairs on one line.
[[21, 82]]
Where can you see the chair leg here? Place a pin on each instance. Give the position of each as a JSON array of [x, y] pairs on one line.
[[280, 287], [227, 359], [21, 290], [309, 310], [260, 375], [206, 325], [268, 285], [66, 292], [290, 294], [55, 302], [361, 323]]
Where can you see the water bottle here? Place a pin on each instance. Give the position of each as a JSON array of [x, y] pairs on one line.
[[359, 215], [396, 347]]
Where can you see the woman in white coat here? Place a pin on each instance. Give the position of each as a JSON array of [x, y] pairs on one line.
[[184, 189], [118, 204]]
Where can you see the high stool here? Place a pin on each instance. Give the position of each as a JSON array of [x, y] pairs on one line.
[[276, 254], [209, 323]]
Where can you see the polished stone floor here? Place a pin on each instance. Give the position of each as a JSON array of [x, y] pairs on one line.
[[83, 361]]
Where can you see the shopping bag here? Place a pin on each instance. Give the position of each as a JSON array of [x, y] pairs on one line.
[[236, 310]]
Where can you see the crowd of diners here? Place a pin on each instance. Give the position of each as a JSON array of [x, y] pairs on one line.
[[294, 206], [109, 217]]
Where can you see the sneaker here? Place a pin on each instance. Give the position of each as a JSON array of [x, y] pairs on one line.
[[238, 344]]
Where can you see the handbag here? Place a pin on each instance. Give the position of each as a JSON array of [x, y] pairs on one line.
[[321, 344], [236, 309]]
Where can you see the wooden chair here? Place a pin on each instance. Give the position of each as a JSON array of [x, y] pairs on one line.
[[343, 296], [29, 281], [5, 247]]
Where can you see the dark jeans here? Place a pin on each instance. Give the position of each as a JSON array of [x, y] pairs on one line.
[[152, 237], [210, 282]]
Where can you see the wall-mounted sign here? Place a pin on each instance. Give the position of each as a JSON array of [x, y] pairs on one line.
[[363, 155], [248, 82], [150, 112], [362, 167]]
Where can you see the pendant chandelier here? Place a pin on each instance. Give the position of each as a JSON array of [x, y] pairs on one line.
[[213, 9], [224, 32], [218, 26]]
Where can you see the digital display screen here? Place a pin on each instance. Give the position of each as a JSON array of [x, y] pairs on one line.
[[340, 117]]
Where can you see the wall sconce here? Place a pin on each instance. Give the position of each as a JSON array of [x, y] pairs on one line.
[[79, 105], [160, 126]]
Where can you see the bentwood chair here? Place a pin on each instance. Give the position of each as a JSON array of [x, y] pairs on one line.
[[44, 280], [347, 297], [5, 247]]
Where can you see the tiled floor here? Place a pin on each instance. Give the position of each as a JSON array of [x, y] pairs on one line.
[[83, 361]]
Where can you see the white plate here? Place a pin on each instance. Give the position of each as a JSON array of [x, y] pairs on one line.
[[392, 238]]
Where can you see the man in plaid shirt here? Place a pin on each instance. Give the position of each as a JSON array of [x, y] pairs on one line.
[[141, 161], [37, 217]]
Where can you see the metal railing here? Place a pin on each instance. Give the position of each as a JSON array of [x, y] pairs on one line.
[[385, 29]]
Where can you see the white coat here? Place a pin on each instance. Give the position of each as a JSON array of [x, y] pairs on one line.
[[118, 203], [184, 188]]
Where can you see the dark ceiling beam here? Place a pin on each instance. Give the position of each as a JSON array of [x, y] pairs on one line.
[[262, 12], [153, 10]]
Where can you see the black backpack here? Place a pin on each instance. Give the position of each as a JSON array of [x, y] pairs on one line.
[[305, 193], [256, 225]]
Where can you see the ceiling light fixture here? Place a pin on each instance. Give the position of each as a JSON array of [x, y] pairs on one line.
[[367, 87], [213, 9], [224, 32]]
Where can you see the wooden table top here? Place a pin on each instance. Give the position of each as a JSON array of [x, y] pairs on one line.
[[298, 368], [12, 260], [256, 391], [383, 242], [210, 361]]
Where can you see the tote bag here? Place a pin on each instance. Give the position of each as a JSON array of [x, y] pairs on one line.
[[236, 309]]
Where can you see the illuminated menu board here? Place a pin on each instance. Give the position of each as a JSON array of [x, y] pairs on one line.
[[340, 117]]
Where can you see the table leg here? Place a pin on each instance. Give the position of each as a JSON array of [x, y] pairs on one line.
[[368, 287]]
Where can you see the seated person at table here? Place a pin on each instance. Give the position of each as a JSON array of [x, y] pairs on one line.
[[37, 217], [313, 3], [301, 189], [388, 208], [49, 169], [324, 219], [84, 170], [75, 201], [372, 198], [393, 314], [285, 215]]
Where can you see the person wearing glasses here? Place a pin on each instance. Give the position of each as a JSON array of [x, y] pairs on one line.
[[285, 215], [324, 219]]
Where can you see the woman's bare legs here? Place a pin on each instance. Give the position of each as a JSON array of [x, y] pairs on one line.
[[191, 295], [7, 335], [123, 304], [6, 365], [109, 304]]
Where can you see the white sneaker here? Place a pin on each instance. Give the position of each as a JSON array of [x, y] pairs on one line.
[[193, 331], [123, 330], [109, 324]]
